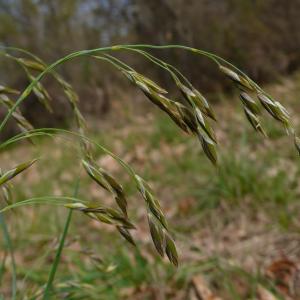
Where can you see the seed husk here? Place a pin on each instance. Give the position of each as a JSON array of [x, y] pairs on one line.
[[205, 125], [31, 64], [112, 182], [122, 203], [96, 175], [155, 208], [119, 217], [109, 183], [187, 93], [23, 124], [140, 185], [165, 104], [159, 215], [104, 218], [249, 102], [208, 146], [171, 250], [203, 105], [194, 97], [126, 234], [15, 171], [151, 200], [230, 74], [8, 90], [102, 214], [159, 100], [76, 205], [283, 109], [188, 117], [157, 235], [241, 81], [143, 82], [273, 109], [6, 193], [254, 121], [175, 115], [100, 217], [148, 82]]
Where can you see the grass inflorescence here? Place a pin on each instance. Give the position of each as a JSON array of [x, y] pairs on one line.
[[192, 114]]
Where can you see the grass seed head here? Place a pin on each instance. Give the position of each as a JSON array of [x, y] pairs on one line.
[[76, 205], [175, 114], [112, 182], [208, 146], [151, 85], [109, 183], [203, 105], [140, 185], [103, 218], [95, 175], [8, 90], [126, 234], [253, 120], [249, 102], [241, 82], [205, 125], [15, 171], [171, 250], [188, 118], [7, 194], [195, 98], [157, 235], [187, 93], [120, 218], [159, 100], [31, 64], [276, 111], [122, 203], [23, 124]]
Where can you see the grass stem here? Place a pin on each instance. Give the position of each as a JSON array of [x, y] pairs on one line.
[[49, 285], [10, 249]]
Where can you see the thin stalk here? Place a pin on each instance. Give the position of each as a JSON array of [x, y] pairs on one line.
[[162, 64], [195, 50], [10, 248], [51, 200], [26, 135], [53, 270], [104, 58], [119, 61], [70, 56]]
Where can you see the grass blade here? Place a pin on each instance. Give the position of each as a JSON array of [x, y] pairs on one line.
[[9, 246], [49, 285]]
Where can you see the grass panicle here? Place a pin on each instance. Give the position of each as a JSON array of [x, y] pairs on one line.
[[192, 114]]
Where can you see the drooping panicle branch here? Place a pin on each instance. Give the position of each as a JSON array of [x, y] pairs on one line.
[[193, 114]]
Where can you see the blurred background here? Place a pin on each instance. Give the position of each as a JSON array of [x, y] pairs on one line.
[[261, 37], [237, 227]]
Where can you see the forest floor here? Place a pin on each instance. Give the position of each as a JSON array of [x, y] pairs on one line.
[[236, 226]]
